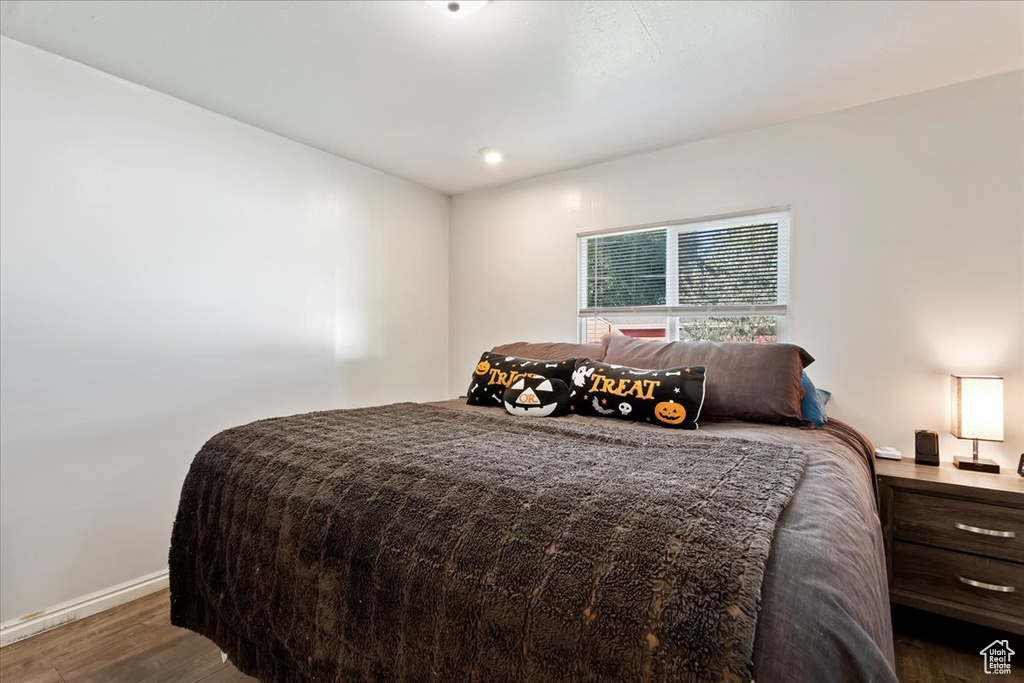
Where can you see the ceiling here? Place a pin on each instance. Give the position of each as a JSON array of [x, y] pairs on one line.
[[402, 88]]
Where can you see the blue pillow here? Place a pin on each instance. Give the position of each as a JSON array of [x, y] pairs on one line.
[[813, 404]]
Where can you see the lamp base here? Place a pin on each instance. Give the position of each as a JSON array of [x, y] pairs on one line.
[[979, 465]]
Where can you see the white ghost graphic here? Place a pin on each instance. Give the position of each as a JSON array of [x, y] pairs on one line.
[[580, 375]]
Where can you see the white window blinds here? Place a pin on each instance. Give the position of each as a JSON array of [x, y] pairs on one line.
[[627, 270], [731, 266], [713, 270]]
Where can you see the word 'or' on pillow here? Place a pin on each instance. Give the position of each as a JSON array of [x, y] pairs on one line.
[[537, 397], [495, 372], [670, 397], [748, 381], [813, 404]]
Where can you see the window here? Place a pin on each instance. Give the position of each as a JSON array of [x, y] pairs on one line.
[[714, 280]]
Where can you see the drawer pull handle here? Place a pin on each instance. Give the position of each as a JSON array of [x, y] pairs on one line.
[[983, 531], [987, 586]]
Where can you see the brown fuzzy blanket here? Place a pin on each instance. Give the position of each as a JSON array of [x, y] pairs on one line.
[[414, 543]]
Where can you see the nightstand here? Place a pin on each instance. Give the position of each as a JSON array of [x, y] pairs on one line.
[[954, 541]]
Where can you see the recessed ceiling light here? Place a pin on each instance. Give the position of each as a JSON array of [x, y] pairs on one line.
[[492, 157], [456, 8]]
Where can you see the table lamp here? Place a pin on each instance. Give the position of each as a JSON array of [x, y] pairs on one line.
[[976, 412]]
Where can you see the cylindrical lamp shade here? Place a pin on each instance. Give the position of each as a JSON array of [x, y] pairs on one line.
[[976, 407]]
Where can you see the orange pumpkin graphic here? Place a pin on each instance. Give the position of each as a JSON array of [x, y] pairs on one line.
[[483, 367], [670, 412]]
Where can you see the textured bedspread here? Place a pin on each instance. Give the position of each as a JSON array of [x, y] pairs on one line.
[[413, 542], [825, 601]]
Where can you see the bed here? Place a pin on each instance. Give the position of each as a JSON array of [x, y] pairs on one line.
[[437, 542]]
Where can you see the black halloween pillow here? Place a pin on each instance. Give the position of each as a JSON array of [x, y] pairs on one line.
[[496, 371], [537, 397], [668, 398]]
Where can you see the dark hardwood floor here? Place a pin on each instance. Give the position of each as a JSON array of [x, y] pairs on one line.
[[135, 642], [936, 649]]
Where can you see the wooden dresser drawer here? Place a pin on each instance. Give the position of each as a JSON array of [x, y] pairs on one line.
[[993, 530], [978, 581]]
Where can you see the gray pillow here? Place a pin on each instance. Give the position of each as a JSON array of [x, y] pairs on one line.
[[745, 380], [552, 350]]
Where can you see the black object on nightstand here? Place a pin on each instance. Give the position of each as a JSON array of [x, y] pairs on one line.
[[926, 447], [954, 542], [976, 464]]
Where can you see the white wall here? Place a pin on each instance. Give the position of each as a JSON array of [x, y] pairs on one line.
[[907, 253], [167, 273]]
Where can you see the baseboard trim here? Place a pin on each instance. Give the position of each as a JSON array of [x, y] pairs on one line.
[[32, 624]]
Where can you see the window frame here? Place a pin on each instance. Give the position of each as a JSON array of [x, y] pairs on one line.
[[672, 311]]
